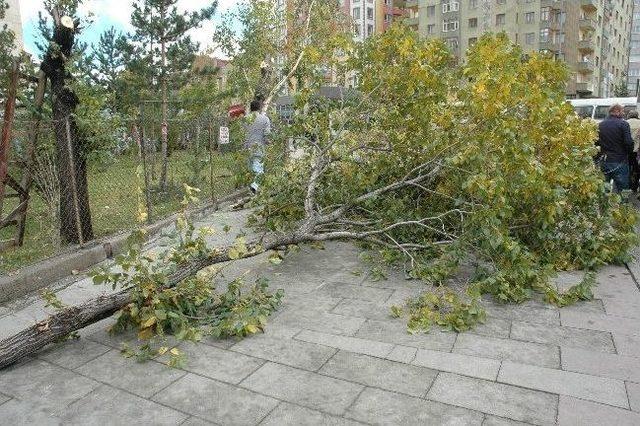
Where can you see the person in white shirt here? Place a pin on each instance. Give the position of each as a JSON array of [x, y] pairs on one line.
[[258, 131]]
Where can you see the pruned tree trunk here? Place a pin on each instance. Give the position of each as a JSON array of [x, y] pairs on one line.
[[75, 214]]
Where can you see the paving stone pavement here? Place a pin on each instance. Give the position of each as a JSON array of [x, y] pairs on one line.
[[332, 355]]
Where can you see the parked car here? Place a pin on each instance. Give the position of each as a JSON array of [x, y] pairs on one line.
[[598, 108]]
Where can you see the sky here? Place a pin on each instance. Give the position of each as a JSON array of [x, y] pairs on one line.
[[115, 13]]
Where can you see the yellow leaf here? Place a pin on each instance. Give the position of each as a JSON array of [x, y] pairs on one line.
[[175, 352], [149, 322]]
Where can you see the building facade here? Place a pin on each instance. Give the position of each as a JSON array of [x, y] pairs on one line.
[[591, 36], [633, 80], [14, 23], [372, 17]]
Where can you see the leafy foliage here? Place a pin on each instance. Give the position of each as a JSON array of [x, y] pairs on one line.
[[190, 309], [442, 162]]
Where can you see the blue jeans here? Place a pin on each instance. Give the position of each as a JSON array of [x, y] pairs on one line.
[[618, 172], [257, 167]]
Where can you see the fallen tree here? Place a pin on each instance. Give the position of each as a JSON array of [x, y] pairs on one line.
[[430, 164]]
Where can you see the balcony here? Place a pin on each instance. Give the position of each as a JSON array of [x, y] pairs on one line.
[[549, 46], [584, 88], [589, 5], [587, 24], [586, 45], [411, 4], [585, 67], [411, 22]]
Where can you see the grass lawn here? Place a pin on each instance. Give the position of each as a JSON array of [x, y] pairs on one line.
[[113, 198]]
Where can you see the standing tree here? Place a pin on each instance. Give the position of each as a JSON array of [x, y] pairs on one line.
[[278, 48], [109, 59], [621, 89], [6, 47], [75, 215], [161, 32]]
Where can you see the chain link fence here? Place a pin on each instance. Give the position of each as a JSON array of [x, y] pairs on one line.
[[124, 185]]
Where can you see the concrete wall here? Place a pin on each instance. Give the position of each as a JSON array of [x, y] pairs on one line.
[[13, 21]]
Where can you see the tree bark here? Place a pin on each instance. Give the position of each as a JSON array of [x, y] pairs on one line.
[[75, 214], [68, 320]]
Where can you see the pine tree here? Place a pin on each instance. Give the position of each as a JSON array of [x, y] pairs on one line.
[[162, 42], [109, 58]]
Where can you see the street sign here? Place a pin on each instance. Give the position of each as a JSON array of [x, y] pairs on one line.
[[224, 136]]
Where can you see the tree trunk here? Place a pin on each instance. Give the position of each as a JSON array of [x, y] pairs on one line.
[[165, 127], [75, 215], [59, 325]]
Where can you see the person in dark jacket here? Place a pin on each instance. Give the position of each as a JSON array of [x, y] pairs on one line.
[[616, 144]]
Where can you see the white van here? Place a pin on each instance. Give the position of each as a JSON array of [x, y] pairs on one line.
[[598, 108]]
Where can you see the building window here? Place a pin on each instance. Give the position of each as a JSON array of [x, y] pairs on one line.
[[473, 4], [473, 23], [431, 28], [452, 43], [545, 14], [356, 13], [529, 38], [544, 35], [529, 17], [500, 19], [369, 13], [431, 10], [450, 6], [449, 25], [472, 41], [501, 1]]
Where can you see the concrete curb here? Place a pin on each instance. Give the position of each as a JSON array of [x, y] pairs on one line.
[[42, 274]]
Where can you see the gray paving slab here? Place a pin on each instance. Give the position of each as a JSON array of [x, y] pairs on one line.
[[501, 421], [562, 336], [216, 401], [320, 321], [12, 324], [317, 303], [28, 413], [379, 407], [590, 307], [45, 384], [73, 353], [380, 373], [600, 322], [308, 356], [143, 379], [109, 406], [601, 364], [493, 327], [507, 349], [404, 354], [195, 421], [347, 343], [301, 387], [289, 414], [483, 368], [578, 412], [351, 291], [531, 311], [216, 363], [627, 344], [592, 388], [627, 307], [502, 400], [633, 392], [363, 309], [4, 398], [396, 332]]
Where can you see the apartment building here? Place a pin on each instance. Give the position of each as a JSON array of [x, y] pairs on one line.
[[633, 75], [14, 23], [592, 36], [373, 16]]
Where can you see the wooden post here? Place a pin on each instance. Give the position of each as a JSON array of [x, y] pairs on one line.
[[5, 140], [32, 143]]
